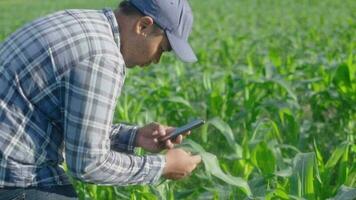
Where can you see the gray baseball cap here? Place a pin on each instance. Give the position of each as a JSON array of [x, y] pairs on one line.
[[175, 17]]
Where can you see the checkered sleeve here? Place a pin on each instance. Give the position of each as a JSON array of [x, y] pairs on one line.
[[91, 89]]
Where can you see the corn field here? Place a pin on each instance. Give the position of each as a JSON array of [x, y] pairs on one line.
[[276, 83]]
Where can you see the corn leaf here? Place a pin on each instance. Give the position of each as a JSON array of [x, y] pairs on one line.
[[226, 130], [345, 193], [302, 180], [180, 100], [212, 166], [264, 158], [336, 156]]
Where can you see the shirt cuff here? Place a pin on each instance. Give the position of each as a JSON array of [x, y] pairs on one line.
[[156, 164], [123, 138]]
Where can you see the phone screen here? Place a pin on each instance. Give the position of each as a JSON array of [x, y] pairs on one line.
[[185, 128]]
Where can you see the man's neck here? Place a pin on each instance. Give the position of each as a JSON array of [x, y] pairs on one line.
[[117, 16]]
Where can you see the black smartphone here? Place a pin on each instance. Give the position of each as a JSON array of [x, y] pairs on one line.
[[183, 129]]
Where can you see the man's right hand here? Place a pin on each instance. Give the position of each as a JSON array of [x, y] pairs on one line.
[[179, 164]]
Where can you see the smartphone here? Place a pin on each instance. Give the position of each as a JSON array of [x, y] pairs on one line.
[[180, 130]]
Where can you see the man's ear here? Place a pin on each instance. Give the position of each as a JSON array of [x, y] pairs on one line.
[[144, 25]]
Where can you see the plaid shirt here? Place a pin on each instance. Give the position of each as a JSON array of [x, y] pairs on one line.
[[59, 79]]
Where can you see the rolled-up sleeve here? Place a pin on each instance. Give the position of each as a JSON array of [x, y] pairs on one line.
[[123, 138], [91, 89]]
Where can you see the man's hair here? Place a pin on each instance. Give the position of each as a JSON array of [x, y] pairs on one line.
[[128, 9]]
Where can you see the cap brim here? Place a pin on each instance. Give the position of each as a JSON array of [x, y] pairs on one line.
[[181, 48]]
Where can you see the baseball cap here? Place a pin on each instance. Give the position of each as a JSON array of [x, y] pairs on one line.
[[175, 17]]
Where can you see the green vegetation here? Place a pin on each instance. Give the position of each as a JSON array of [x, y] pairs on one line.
[[276, 81]]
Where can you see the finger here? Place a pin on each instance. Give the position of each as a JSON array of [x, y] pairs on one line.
[[170, 129], [161, 131], [187, 133], [191, 169], [178, 139], [181, 175], [178, 176], [154, 125], [169, 144], [196, 159], [155, 133]]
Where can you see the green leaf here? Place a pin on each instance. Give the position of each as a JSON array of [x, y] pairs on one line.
[[146, 195], [275, 57], [336, 156], [319, 157], [258, 186], [192, 146], [225, 129], [284, 84], [281, 194], [284, 173], [343, 169], [319, 160], [264, 158], [277, 194], [351, 178], [302, 180], [178, 99], [207, 80], [212, 166], [345, 193], [342, 76]]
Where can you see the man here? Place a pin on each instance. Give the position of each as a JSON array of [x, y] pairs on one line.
[[59, 78]]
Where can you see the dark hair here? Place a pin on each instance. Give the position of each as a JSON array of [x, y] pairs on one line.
[[128, 9]]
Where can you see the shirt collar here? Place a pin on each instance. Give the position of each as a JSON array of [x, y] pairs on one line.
[[114, 27]]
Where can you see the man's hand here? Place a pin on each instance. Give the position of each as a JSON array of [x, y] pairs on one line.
[[179, 164], [150, 137]]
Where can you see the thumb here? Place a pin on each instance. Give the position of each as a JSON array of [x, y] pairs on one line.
[[196, 159]]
